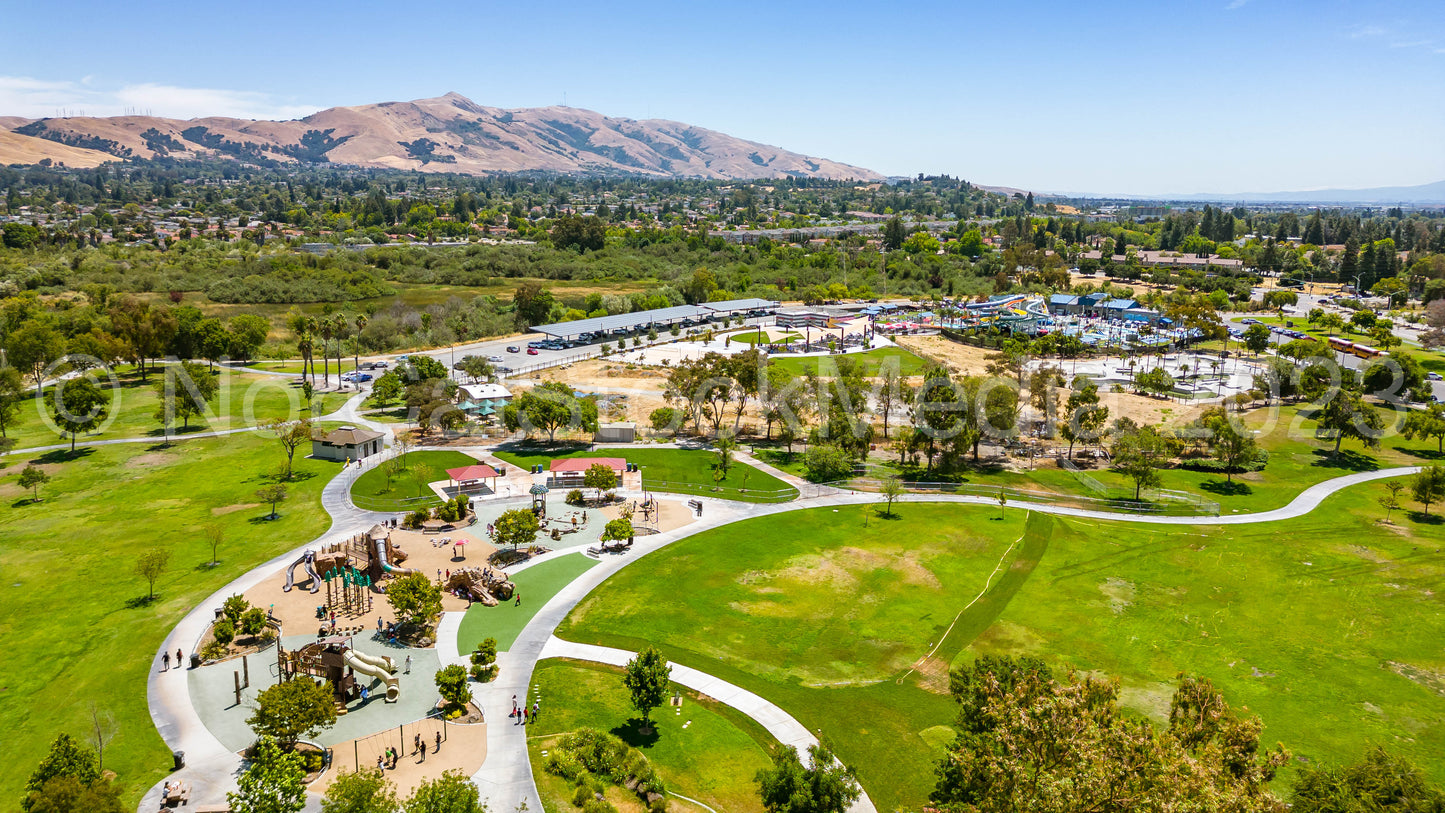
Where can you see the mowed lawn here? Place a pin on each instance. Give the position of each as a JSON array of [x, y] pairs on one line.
[[675, 471], [713, 759], [536, 585], [407, 489], [1327, 627], [874, 362], [243, 400], [73, 621], [819, 613]]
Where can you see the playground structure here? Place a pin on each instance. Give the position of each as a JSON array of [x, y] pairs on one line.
[[1014, 312], [333, 660], [481, 584]]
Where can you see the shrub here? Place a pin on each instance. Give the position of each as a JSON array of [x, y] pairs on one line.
[[451, 683], [486, 651], [253, 621], [224, 631], [235, 607], [414, 519], [595, 805], [826, 462], [574, 497], [663, 419], [484, 673], [214, 651]]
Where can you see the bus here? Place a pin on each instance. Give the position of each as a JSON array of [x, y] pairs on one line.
[[1366, 352], [1341, 346]]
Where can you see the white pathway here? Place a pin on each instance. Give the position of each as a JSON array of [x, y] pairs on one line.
[[505, 779]]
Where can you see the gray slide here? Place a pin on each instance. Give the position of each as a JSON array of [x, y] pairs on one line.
[[308, 560]]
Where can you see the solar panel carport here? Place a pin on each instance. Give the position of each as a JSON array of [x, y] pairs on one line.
[[625, 321], [733, 306]]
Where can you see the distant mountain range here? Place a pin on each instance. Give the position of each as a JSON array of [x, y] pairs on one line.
[[450, 133], [1430, 193]]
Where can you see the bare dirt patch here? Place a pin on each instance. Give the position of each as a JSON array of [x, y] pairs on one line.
[[153, 459], [1431, 679], [959, 358], [1119, 592], [230, 509]]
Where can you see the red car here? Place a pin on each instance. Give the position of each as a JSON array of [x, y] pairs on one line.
[[531, 351]]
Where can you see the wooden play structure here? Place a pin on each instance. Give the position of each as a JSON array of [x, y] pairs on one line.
[[333, 660], [374, 554], [481, 584]]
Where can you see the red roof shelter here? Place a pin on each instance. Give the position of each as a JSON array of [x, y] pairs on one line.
[[473, 474]]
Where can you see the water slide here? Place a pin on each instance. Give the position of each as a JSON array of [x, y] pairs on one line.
[[388, 566], [308, 560], [381, 668]]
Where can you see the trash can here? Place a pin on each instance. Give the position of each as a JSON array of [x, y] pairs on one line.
[[195, 660], [180, 758]]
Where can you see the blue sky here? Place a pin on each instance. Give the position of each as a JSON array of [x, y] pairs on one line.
[[1143, 97]]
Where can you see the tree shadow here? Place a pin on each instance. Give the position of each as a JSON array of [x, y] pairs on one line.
[[888, 515], [1226, 488], [64, 455], [630, 732], [1424, 454], [140, 601], [262, 520], [1423, 518], [1347, 459], [26, 501]]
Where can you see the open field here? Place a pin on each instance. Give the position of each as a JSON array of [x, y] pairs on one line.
[[684, 471], [536, 585], [712, 760], [1312, 624], [73, 616], [407, 489], [872, 360], [243, 400]]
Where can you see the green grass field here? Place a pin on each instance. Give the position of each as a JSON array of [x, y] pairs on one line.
[[872, 360], [536, 584], [712, 760], [677, 471], [1312, 624], [408, 489], [243, 400], [74, 623]]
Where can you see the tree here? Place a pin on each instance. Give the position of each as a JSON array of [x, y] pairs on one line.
[[291, 434], [723, 449], [1390, 501], [363, 791], [66, 794], [185, 391], [826, 786], [1233, 445], [149, 566], [215, 534], [516, 527], [582, 233], [247, 333], [476, 368], [599, 476], [892, 489], [617, 530], [1428, 485], [414, 598], [292, 709], [103, 729], [386, 389], [451, 684], [449, 793], [1086, 417], [77, 405], [1426, 423], [272, 494], [33, 347], [892, 391], [1256, 338], [894, 233], [33, 477], [273, 781], [12, 394], [646, 678], [663, 419], [826, 463], [1378, 783], [1346, 415], [66, 758], [549, 407], [532, 304], [1137, 453], [1065, 747]]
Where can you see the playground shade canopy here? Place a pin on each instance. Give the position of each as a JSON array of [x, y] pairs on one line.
[[657, 316]]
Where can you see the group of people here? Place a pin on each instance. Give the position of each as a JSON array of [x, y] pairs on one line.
[[387, 759], [166, 660], [521, 714]]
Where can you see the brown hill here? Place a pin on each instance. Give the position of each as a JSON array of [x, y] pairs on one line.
[[23, 149], [449, 134]]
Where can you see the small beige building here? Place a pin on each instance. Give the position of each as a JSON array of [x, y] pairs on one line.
[[622, 432], [346, 443]]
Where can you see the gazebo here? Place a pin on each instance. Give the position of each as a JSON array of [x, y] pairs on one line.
[[539, 500], [469, 478]]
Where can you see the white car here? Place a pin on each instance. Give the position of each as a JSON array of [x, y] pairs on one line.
[[495, 359]]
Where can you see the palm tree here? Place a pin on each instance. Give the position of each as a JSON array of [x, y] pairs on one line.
[[325, 329], [340, 326], [356, 346], [310, 326], [303, 346]]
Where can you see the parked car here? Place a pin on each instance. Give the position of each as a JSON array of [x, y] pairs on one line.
[[532, 351], [494, 359], [513, 349], [1433, 376], [363, 376]]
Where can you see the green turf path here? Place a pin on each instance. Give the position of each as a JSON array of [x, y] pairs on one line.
[[537, 585], [408, 489], [686, 471]]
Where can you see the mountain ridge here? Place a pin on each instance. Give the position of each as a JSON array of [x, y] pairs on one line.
[[448, 133]]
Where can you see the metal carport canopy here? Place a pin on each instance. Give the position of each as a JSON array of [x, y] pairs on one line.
[[666, 316]]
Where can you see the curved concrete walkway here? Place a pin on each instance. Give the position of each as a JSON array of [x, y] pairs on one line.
[[505, 779]]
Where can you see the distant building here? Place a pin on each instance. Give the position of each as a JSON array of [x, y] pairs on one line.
[[620, 432]]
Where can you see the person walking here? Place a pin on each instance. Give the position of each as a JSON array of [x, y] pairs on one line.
[[524, 715], [514, 705], [166, 661], [439, 743], [178, 658], [536, 707], [380, 763], [408, 665], [518, 596], [422, 745], [416, 744]]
